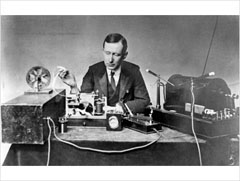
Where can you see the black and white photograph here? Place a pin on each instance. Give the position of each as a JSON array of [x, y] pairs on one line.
[[120, 90]]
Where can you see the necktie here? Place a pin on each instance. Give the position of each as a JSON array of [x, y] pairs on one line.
[[113, 84]]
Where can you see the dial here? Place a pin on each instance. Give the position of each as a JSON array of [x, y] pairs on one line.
[[113, 122]]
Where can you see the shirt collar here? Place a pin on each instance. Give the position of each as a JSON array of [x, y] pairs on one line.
[[117, 72]]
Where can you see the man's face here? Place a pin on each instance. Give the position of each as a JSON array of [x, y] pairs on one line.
[[113, 55]]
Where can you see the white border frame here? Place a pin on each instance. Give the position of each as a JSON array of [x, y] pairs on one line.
[[214, 7]]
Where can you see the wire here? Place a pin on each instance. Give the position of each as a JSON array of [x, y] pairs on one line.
[[49, 143], [193, 131], [98, 150], [182, 136], [214, 30]]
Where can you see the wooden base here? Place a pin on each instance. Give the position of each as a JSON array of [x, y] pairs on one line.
[[45, 91]]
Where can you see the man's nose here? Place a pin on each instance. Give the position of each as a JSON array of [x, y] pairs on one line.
[[111, 58]]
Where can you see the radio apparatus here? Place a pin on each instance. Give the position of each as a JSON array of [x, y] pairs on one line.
[[86, 109], [90, 109], [23, 117], [215, 114], [86, 106]]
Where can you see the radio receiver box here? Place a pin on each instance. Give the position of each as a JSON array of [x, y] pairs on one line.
[[23, 117], [204, 128]]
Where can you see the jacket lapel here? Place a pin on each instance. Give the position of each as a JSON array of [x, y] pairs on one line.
[[103, 83], [125, 81]]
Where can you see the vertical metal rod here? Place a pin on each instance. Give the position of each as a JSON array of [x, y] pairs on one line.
[[18, 157], [158, 105]]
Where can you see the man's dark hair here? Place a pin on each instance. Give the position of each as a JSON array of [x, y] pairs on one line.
[[115, 38]]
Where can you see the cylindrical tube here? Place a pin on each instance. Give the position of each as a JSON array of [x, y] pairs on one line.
[[99, 108], [62, 127]]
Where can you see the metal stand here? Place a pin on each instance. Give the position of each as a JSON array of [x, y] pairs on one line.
[[158, 104], [159, 83]]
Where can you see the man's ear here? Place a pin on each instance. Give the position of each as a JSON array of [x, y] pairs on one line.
[[125, 55]]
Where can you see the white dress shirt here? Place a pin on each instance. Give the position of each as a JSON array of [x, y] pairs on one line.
[[116, 75]]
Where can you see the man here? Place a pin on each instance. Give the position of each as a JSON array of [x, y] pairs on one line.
[[120, 81]]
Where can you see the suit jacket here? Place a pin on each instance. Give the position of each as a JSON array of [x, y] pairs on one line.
[[133, 90]]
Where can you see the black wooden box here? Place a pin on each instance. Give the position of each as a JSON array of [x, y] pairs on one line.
[[206, 129], [22, 117]]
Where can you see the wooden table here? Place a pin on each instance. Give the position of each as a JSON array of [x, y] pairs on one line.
[[172, 148]]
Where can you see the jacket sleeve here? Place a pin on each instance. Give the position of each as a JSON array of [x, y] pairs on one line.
[[87, 83], [140, 98]]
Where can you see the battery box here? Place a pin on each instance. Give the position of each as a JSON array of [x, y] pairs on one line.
[[23, 117]]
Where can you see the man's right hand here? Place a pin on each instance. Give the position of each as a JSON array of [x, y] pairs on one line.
[[69, 79]]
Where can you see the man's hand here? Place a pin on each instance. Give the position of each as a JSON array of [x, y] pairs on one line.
[[115, 109], [69, 79]]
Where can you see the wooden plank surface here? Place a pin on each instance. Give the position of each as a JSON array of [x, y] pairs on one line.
[[33, 99], [79, 133]]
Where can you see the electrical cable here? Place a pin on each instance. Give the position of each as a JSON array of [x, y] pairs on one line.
[[49, 143], [182, 136], [193, 131], [97, 150], [214, 30], [160, 135]]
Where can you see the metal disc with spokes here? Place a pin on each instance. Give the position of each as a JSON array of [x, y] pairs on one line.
[[38, 78]]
